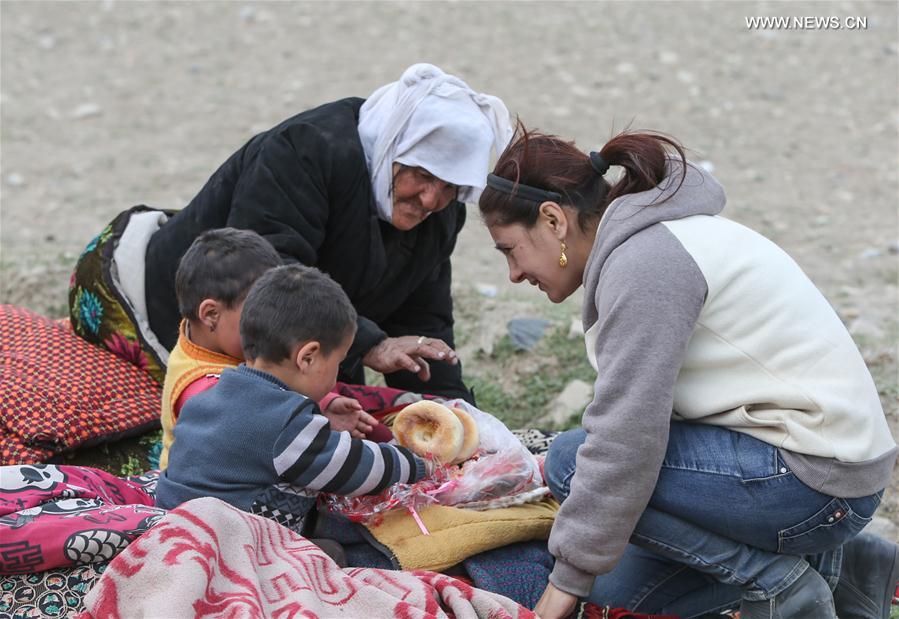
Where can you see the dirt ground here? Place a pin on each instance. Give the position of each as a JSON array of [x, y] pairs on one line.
[[104, 105]]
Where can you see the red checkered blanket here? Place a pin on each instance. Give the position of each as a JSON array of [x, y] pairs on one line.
[[58, 392]]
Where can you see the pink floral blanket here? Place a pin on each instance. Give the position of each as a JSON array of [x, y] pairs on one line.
[[207, 559]]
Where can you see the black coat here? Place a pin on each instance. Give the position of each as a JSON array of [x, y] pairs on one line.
[[304, 186]]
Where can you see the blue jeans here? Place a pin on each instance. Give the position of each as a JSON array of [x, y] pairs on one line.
[[727, 519]]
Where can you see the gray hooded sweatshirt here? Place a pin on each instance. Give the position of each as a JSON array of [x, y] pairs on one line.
[[690, 316]]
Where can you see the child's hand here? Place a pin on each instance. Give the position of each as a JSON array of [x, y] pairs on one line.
[[346, 415]]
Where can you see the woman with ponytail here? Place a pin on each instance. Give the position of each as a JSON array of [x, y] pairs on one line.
[[735, 445]]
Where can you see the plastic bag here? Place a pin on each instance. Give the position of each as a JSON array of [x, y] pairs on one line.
[[502, 467], [497, 438], [489, 477], [370, 509]]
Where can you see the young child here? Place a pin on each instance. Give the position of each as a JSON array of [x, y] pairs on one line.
[[254, 439], [212, 281]]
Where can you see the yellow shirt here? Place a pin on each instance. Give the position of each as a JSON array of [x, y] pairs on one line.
[[187, 363]]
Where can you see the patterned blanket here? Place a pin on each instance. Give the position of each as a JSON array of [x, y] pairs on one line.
[[54, 516], [208, 558], [79, 518]]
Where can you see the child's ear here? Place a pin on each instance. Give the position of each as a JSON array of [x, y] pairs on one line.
[[306, 355], [209, 313]]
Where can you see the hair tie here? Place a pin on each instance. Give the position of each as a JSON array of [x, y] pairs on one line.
[[599, 164]]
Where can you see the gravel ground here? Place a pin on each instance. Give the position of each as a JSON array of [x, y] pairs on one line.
[[110, 104]]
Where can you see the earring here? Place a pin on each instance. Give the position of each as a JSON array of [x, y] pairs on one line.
[[212, 328], [563, 259]]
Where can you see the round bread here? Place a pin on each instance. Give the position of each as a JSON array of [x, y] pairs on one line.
[[472, 439], [427, 427]]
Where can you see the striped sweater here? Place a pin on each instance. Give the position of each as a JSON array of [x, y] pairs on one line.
[[250, 432]]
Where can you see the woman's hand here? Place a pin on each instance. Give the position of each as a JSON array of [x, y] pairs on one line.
[[555, 603], [409, 353], [346, 415]]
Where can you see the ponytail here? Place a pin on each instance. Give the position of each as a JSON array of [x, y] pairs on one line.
[[644, 157]]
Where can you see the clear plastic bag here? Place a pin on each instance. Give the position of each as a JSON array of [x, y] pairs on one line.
[[370, 509], [497, 438], [490, 476], [501, 468]]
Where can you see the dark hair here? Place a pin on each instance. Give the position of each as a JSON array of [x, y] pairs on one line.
[[222, 265], [548, 162], [293, 304]]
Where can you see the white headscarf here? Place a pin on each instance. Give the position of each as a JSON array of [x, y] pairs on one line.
[[433, 120]]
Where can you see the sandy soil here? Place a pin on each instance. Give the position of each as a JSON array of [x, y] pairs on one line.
[[110, 104]]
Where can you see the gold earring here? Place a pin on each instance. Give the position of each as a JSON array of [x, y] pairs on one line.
[[563, 259]]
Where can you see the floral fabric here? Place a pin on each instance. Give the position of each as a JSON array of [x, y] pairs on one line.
[[97, 311]]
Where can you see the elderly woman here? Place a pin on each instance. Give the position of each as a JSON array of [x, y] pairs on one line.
[[370, 191], [735, 437]]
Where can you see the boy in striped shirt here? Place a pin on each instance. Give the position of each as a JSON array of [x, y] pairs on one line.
[[254, 440]]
